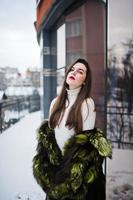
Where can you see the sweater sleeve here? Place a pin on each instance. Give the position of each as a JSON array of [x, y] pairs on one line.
[[88, 114]]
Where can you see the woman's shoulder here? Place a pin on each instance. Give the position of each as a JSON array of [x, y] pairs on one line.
[[53, 102], [88, 105], [89, 101]]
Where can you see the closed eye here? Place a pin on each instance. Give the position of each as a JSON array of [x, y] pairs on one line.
[[81, 72], [72, 69]]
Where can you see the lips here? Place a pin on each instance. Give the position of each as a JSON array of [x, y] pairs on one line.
[[71, 77]]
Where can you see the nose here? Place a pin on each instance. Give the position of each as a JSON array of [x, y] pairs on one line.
[[74, 72]]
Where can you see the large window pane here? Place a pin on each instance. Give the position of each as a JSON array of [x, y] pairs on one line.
[[85, 38], [120, 99], [61, 56]]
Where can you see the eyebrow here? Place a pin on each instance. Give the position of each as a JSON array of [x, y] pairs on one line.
[[80, 69]]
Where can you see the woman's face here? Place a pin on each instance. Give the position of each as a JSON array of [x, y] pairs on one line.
[[76, 76]]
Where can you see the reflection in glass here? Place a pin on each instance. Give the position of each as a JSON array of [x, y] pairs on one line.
[[85, 38], [61, 56], [120, 99], [120, 82]]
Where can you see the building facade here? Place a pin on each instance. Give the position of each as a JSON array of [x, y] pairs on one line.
[[120, 99], [83, 36], [67, 30]]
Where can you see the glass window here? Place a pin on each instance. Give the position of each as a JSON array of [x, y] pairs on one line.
[[37, 2], [61, 56], [120, 99], [61, 47], [120, 73], [88, 23], [73, 28], [72, 56]]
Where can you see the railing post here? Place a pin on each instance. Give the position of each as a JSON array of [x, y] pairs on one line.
[[0, 118], [17, 104], [18, 109], [29, 102]]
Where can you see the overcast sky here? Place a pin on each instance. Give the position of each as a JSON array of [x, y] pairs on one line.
[[120, 20], [18, 44]]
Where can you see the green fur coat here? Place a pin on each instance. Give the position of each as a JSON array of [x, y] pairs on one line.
[[76, 173]]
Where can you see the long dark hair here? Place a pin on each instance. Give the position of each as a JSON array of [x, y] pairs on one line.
[[74, 119]]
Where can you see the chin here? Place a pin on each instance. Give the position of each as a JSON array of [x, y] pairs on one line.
[[73, 86], [69, 82]]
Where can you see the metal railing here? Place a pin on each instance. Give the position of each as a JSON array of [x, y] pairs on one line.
[[13, 109], [120, 126]]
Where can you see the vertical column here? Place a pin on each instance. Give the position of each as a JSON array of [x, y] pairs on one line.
[[49, 69]]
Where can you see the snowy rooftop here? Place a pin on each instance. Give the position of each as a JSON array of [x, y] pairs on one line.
[[17, 148]]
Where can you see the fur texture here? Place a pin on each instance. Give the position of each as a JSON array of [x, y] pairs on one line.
[[77, 172]]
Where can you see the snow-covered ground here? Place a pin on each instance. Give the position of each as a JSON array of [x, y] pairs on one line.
[[17, 148], [120, 175]]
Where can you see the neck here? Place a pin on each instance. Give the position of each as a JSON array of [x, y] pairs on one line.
[[73, 93]]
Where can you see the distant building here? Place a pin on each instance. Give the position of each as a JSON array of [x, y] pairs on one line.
[[17, 84], [10, 74], [9, 70], [34, 76], [3, 84]]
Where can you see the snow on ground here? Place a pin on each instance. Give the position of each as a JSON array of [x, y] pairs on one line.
[[120, 175], [17, 148]]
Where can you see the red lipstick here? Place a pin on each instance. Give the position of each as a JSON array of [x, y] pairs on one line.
[[72, 77]]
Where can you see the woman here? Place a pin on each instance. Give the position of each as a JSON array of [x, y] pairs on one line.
[[70, 151]]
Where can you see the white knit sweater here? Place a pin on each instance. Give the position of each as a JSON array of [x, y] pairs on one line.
[[62, 133]]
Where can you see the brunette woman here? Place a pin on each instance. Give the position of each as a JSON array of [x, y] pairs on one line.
[[70, 151]]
